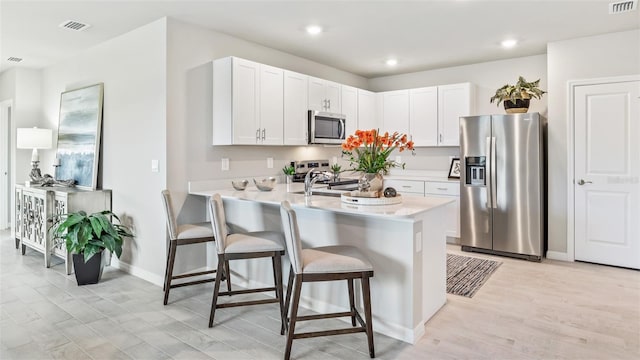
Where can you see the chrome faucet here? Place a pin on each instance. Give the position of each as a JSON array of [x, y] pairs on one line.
[[310, 179]]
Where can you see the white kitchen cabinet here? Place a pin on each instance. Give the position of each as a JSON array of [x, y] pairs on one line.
[[240, 114], [406, 187], [271, 105], [449, 189], [349, 102], [324, 95], [454, 101], [296, 118], [423, 116], [395, 111], [367, 114]]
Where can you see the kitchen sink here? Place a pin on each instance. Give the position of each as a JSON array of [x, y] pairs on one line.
[[320, 193]]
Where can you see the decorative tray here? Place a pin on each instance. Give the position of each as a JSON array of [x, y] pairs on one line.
[[351, 198]]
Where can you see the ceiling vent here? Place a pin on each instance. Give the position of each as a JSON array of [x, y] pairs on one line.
[[14, 59], [620, 7], [74, 25]]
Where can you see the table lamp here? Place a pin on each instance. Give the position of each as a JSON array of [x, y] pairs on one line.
[[34, 138]]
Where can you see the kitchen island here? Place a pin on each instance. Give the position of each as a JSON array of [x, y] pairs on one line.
[[406, 244]]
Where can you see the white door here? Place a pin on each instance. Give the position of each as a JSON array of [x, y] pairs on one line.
[[367, 118], [395, 111], [332, 94], [454, 101], [246, 102], [317, 94], [607, 173], [349, 97]]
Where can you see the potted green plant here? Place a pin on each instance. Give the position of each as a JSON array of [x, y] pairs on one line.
[[86, 236], [289, 171], [516, 97], [336, 169]]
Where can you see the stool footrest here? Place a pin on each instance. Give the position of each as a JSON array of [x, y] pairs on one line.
[[192, 283], [324, 316], [246, 291], [243, 303], [329, 332], [193, 274]]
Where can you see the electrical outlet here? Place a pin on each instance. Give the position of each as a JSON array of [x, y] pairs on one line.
[[334, 160], [225, 164], [399, 159], [269, 163], [154, 166]]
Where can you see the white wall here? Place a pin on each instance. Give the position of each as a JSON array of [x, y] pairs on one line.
[[133, 70], [605, 55], [487, 77]]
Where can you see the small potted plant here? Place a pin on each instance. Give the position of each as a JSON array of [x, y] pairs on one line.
[[516, 97], [289, 171], [86, 237], [336, 169]]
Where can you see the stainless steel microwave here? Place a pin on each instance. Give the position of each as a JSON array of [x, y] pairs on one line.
[[326, 128]]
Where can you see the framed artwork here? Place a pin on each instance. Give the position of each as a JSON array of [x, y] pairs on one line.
[[454, 169], [79, 135]]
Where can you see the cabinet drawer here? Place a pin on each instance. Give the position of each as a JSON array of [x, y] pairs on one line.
[[443, 188], [406, 186]]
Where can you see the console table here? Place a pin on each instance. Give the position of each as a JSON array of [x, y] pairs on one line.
[[37, 206]]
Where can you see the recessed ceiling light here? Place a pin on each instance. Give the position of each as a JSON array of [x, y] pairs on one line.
[[392, 62], [313, 29], [509, 43]]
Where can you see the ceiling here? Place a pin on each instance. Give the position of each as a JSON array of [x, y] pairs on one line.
[[359, 35]]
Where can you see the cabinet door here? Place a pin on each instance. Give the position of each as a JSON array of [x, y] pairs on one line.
[[295, 108], [271, 105], [317, 99], [454, 101], [332, 94], [350, 108], [367, 118], [423, 116], [395, 111], [246, 102]]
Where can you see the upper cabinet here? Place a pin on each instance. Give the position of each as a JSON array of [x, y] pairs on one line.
[[430, 114], [395, 111], [295, 108], [423, 116], [349, 100], [247, 103], [367, 114], [324, 95], [454, 101]]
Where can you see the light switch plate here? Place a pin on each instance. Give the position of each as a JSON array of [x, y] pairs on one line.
[[225, 164], [154, 166], [269, 163], [399, 159]]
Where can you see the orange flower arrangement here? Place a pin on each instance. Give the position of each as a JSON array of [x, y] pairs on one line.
[[368, 151]]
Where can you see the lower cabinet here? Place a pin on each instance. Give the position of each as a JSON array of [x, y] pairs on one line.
[[450, 189], [36, 207]]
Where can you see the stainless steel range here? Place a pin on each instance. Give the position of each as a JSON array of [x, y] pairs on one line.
[[302, 167]]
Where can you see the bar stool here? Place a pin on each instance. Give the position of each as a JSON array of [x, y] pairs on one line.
[[184, 234], [327, 263], [248, 245]]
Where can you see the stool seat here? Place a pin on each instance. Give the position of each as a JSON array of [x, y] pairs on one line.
[[197, 230], [339, 258], [257, 241]]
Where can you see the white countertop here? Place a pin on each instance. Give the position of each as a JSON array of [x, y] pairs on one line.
[[410, 206]]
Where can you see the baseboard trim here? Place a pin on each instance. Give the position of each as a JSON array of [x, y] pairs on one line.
[[137, 272], [556, 255]]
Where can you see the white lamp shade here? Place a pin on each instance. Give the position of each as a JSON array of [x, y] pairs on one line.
[[34, 138]]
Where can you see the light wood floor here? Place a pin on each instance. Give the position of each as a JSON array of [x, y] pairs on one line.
[[548, 310]]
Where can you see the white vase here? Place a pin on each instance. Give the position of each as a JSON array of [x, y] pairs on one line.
[[370, 182]]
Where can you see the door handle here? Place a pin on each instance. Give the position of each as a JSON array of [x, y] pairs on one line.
[[264, 134], [494, 177], [582, 182]]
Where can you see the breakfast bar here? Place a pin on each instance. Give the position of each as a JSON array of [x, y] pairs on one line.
[[405, 242]]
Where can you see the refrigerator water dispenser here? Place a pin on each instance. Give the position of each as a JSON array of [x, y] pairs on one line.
[[475, 170]]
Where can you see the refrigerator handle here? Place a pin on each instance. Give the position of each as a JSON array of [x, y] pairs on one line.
[[494, 186], [489, 186]]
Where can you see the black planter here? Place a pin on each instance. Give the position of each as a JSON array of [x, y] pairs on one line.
[[519, 106], [89, 272]]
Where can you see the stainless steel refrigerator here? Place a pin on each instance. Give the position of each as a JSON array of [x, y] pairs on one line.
[[502, 184]]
